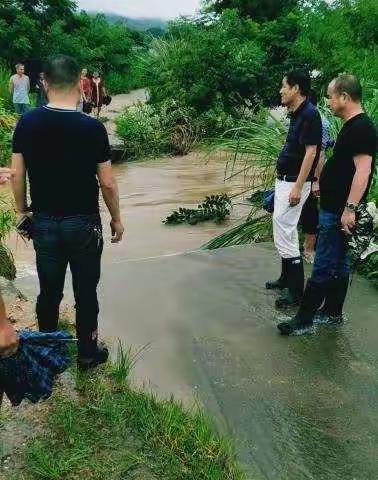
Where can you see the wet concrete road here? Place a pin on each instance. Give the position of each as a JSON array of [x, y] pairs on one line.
[[302, 408]]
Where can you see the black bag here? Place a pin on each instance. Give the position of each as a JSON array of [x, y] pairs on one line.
[[87, 107], [107, 99]]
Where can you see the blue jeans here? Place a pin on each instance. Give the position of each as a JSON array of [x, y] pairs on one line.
[[75, 241], [331, 261], [21, 108]]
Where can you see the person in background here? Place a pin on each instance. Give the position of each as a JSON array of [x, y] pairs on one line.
[[67, 158], [344, 185], [19, 88], [98, 92], [41, 91], [310, 213], [85, 90], [296, 166]]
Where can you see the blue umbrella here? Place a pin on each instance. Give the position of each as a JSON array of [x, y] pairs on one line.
[[30, 373]]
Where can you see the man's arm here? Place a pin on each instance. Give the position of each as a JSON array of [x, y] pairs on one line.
[[360, 182], [8, 335], [295, 194], [318, 172], [109, 190], [11, 86], [19, 182], [28, 85]]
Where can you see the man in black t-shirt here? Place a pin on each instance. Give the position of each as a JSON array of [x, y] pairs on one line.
[[66, 155], [295, 171], [344, 184]]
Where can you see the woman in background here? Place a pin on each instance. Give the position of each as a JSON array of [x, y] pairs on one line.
[[86, 92], [98, 93]]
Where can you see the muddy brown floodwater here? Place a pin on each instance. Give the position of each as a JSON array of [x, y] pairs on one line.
[[302, 408]]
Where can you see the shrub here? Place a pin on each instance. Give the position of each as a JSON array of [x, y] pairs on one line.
[[150, 130]]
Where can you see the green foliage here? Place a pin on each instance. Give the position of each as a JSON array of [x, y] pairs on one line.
[[150, 130], [39, 28], [339, 36], [205, 66], [140, 129], [259, 10], [7, 122], [215, 207]]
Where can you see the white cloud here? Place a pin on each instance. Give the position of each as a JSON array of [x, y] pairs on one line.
[[142, 8]]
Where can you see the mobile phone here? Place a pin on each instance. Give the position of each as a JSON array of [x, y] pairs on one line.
[[25, 225]]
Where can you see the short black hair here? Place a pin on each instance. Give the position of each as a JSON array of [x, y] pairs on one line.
[[61, 71], [302, 79], [349, 84]]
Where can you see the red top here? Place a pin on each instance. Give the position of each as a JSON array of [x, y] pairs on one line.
[[85, 85]]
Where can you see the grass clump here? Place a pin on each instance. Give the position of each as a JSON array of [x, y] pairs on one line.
[[113, 431]]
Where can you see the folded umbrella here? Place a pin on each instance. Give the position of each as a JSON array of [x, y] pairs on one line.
[[30, 373]]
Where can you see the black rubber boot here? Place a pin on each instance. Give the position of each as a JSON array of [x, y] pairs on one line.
[[332, 311], [99, 356], [281, 283], [302, 322], [295, 282]]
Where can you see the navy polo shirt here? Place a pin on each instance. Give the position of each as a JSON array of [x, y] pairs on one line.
[[305, 129], [62, 150]]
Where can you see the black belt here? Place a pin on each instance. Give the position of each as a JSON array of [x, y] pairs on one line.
[[287, 178], [293, 178]]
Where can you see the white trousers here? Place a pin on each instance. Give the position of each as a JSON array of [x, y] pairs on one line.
[[286, 218]]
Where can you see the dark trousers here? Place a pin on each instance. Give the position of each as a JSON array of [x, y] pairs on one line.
[[75, 241], [310, 215], [331, 260]]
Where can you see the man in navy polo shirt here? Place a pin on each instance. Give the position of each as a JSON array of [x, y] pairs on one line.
[[295, 171], [344, 186], [66, 156]]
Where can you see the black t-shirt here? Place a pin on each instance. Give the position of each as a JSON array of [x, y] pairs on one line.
[[62, 149], [305, 129], [357, 137]]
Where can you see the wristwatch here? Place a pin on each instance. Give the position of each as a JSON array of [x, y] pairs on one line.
[[351, 206]]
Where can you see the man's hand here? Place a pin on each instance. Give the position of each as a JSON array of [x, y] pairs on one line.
[[315, 189], [348, 221], [295, 196], [117, 231], [8, 339], [5, 175]]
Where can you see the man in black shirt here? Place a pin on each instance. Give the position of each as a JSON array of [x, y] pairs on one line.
[[295, 171], [65, 154], [344, 184]]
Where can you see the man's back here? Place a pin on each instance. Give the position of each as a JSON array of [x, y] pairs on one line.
[[62, 149]]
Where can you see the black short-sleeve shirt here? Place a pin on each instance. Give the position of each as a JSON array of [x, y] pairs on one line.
[[62, 149], [358, 136], [305, 129]]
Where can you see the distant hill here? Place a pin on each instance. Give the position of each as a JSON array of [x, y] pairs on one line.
[[142, 24]]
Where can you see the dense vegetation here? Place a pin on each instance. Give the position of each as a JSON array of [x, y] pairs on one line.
[[30, 30], [229, 61]]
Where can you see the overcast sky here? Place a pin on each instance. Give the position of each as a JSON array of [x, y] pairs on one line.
[[142, 8]]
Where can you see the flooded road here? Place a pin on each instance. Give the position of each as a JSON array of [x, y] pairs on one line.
[[302, 408]]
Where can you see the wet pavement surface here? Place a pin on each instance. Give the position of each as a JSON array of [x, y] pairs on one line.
[[300, 408]]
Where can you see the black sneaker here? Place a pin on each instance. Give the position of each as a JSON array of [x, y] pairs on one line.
[[324, 318], [99, 357], [295, 326]]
